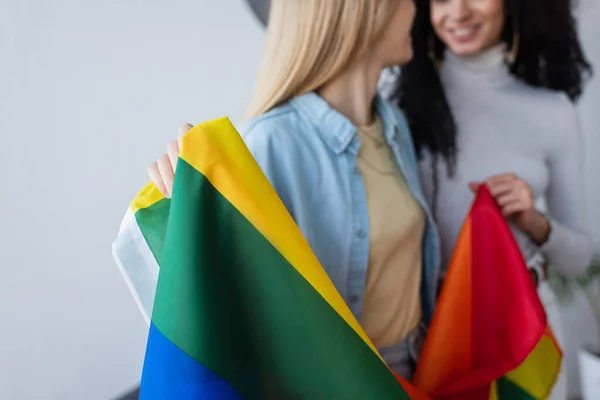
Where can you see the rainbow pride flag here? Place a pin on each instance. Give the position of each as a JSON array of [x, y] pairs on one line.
[[488, 338], [242, 308]]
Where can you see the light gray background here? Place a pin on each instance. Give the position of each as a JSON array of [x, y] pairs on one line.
[[90, 92]]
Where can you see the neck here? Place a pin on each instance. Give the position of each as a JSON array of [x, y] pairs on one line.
[[487, 68], [352, 92]]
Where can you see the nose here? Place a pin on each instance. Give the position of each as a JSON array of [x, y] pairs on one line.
[[460, 10]]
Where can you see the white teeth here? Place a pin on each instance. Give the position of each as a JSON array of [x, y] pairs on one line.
[[463, 31]]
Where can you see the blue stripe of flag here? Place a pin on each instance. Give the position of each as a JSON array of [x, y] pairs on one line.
[[171, 374]]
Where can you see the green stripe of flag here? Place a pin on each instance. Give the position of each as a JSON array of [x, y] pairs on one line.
[[508, 390], [230, 300], [153, 224]]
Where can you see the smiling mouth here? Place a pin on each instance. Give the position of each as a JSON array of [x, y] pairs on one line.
[[464, 34]]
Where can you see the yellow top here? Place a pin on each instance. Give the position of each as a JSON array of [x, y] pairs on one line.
[[392, 305]]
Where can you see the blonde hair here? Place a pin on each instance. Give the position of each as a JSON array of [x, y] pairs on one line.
[[309, 42]]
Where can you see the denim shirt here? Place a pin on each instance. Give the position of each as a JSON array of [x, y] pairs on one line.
[[308, 151]]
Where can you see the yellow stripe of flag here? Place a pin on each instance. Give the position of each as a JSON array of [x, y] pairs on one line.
[[537, 374], [494, 391], [220, 154], [148, 196]]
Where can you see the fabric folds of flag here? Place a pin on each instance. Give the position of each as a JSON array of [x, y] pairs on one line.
[[489, 338], [242, 308]]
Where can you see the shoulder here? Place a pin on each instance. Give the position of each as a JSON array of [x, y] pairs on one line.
[[273, 123], [281, 141], [280, 127], [555, 106], [546, 99], [553, 110]]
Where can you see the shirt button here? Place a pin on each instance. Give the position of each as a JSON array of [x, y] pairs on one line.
[[354, 299], [357, 170], [360, 234]]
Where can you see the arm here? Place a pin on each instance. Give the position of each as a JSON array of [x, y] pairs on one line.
[[569, 247]]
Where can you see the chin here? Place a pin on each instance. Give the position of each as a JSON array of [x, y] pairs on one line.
[[465, 50]]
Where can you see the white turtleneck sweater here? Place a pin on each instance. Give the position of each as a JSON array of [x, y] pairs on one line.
[[505, 125]]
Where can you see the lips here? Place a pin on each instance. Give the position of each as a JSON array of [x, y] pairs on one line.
[[464, 34]]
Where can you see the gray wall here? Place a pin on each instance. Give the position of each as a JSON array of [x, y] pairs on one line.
[[580, 328], [90, 91]]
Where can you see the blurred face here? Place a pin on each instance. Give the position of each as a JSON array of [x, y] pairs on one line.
[[395, 45], [468, 27]]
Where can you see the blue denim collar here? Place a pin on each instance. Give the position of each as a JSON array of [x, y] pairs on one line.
[[335, 129]]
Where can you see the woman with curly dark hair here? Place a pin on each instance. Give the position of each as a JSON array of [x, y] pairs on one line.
[[489, 96]]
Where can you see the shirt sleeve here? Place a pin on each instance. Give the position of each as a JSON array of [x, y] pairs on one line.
[[569, 249], [271, 147]]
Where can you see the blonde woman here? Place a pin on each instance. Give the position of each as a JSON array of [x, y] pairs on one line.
[[342, 160]]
